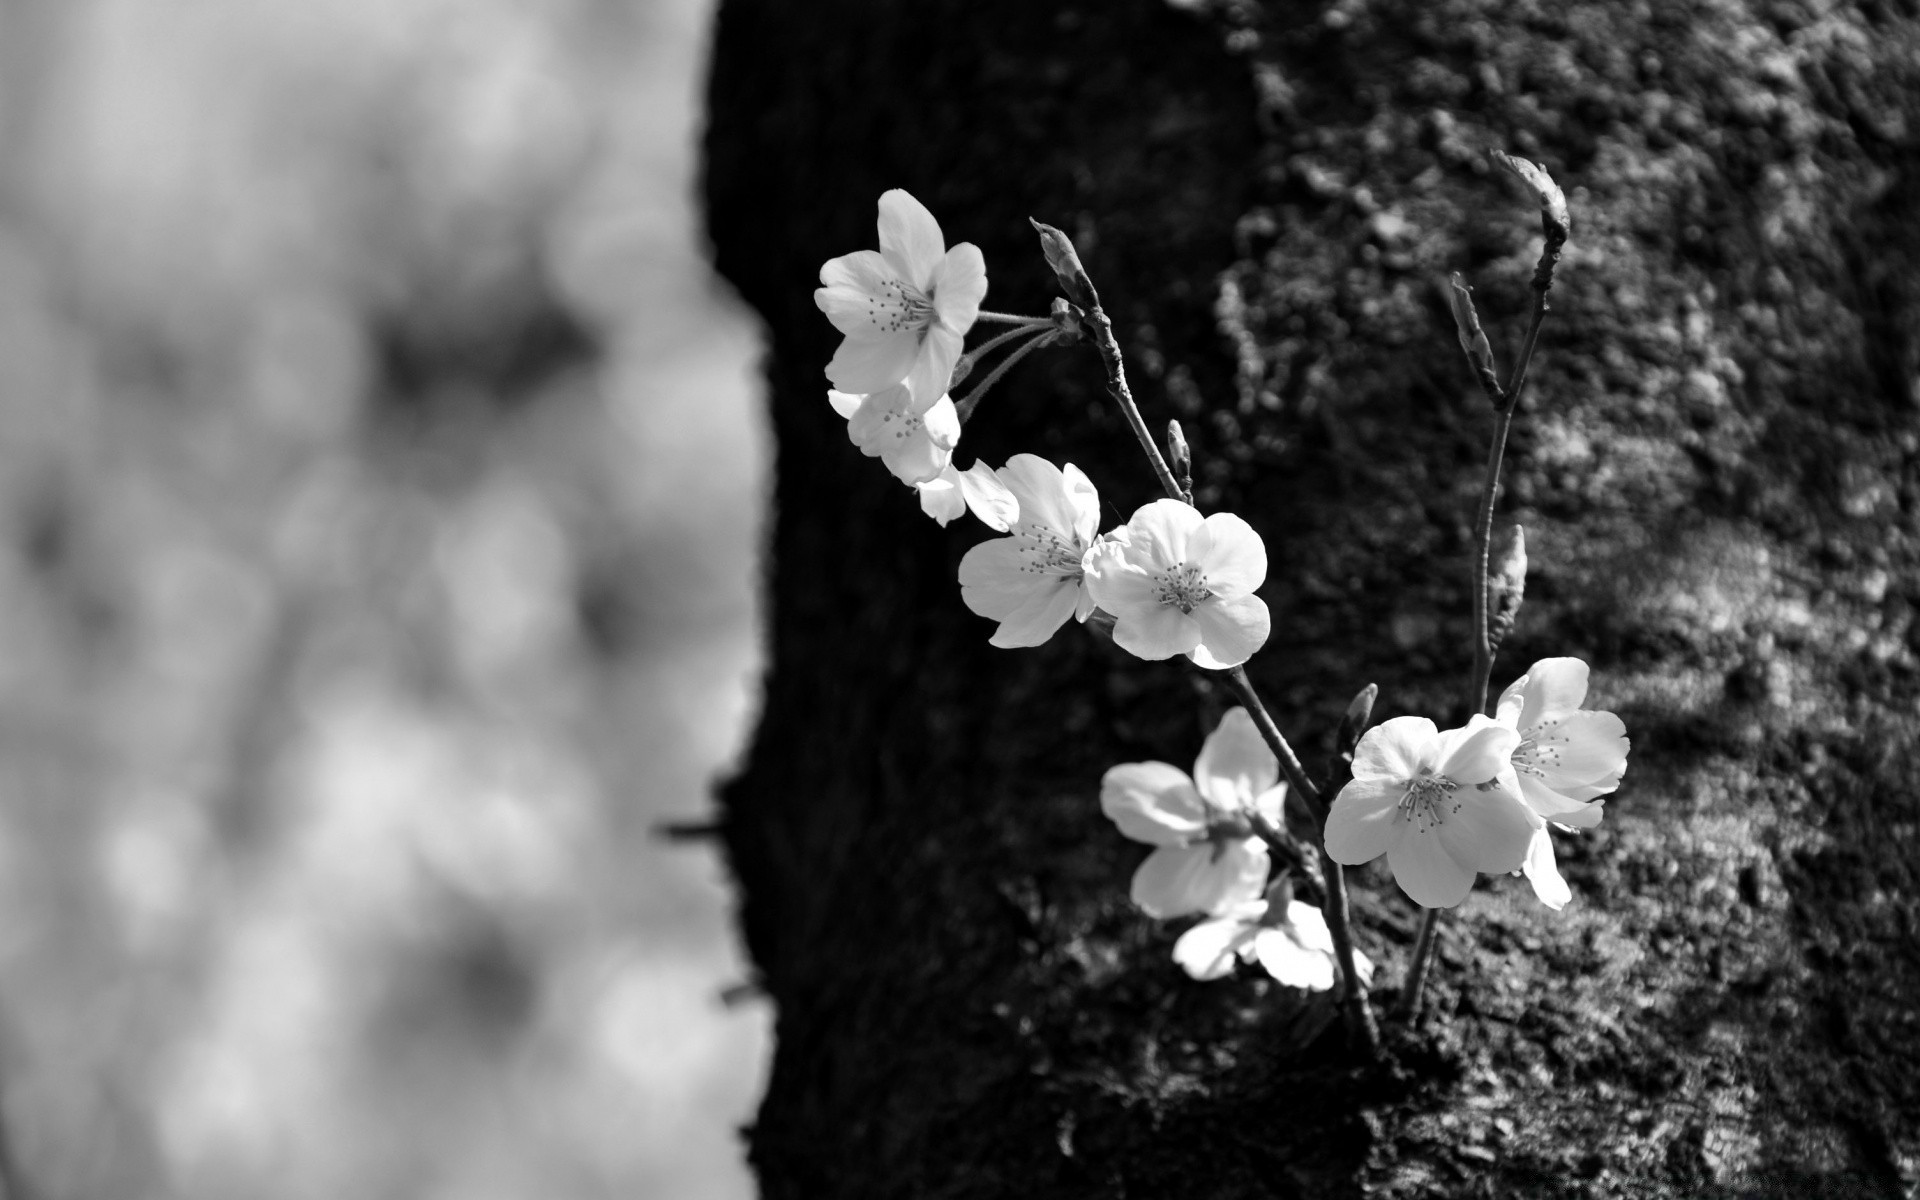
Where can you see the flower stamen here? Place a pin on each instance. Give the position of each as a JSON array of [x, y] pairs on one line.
[[1183, 587], [1429, 799]]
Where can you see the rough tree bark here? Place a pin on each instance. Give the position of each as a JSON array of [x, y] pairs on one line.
[[1718, 475]]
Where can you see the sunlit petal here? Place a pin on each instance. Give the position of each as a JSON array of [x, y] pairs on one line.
[[1153, 802], [910, 238], [958, 285], [1394, 749], [1365, 820], [875, 363], [1234, 764]]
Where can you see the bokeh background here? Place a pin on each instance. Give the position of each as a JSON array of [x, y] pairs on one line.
[[380, 474]]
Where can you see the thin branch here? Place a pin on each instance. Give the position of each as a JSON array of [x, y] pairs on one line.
[[1360, 1019]]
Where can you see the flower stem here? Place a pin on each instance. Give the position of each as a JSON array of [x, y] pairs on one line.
[[1103, 341], [1359, 1013], [980, 351], [995, 318], [1413, 991], [966, 405]]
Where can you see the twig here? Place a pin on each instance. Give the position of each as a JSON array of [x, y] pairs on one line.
[[1360, 1019], [1413, 992], [1359, 1014]]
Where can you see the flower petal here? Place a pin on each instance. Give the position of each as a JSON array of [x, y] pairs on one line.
[[940, 497], [1475, 753], [989, 498], [1555, 687], [1153, 802], [910, 239], [1395, 749], [1209, 949], [1153, 632], [1293, 964], [1484, 830], [958, 286], [1045, 611], [1426, 872], [1364, 820], [1234, 764], [1159, 531], [860, 294], [1272, 804], [931, 372], [1084, 500], [874, 362], [845, 403], [1178, 880], [1230, 631], [1543, 873], [994, 581], [1579, 747], [1545, 801], [1041, 489], [1230, 554], [1116, 583]]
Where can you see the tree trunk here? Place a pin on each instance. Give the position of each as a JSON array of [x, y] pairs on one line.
[[1716, 468]]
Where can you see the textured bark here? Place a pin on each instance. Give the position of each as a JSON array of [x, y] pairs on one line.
[[1717, 471]]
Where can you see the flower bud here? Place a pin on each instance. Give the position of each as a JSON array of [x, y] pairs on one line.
[[1066, 322], [1179, 457], [1508, 584], [1554, 217], [1353, 723], [1473, 339], [1065, 262]]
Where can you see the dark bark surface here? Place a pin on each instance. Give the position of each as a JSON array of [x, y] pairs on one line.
[[1718, 468]]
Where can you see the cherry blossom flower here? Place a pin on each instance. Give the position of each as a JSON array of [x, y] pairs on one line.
[[1206, 858], [1179, 584], [1292, 943], [903, 308], [1030, 581], [916, 447], [1441, 806], [1566, 759]]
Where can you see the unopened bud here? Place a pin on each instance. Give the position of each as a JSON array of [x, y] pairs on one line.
[[1355, 720], [1554, 217], [1066, 322], [1473, 339], [1179, 457], [1065, 261], [1353, 723], [1509, 586]]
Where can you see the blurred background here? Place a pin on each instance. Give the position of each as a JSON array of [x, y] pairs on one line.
[[380, 471]]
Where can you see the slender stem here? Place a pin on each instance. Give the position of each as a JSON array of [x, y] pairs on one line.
[[980, 351], [1359, 1013], [1103, 341], [966, 405], [1414, 990], [1010, 319]]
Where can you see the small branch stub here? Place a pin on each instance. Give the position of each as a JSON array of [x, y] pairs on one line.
[[1065, 261]]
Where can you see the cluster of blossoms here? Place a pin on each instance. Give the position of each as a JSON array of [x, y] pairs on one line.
[[1173, 581], [1208, 859], [1446, 806], [1442, 806]]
